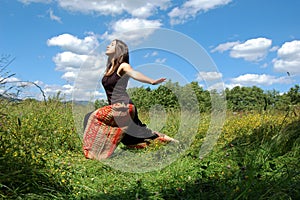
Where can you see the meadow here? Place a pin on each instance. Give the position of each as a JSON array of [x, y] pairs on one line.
[[256, 157]]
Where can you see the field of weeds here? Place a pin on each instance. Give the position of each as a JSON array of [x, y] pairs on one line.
[[256, 157]]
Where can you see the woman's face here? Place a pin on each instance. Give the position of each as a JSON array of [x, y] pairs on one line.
[[111, 48]]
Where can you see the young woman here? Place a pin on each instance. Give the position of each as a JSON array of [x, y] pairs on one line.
[[118, 122]]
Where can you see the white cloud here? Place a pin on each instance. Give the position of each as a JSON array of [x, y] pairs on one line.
[[81, 63], [191, 8], [93, 6], [54, 17], [70, 76], [68, 61], [232, 85], [88, 79], [136, 8], [69, 42], [259, 79], [251, 50], [275, 48], [144, 10], [153, 54], [35, 1], [131, 24], [11, 87], [132, 29], [85, 70], [224, 47], [4, 80], [39, 83], [209, 76], [288, 58], [213, 80], [217, 86], [53, 90], [160, 60], [67, 93]]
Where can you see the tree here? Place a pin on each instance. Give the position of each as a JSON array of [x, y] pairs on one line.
[[167, 95], [294, 94], [100, 103], [245, 98], [191, 96], [272, 97], [141, 97], [203, 97]]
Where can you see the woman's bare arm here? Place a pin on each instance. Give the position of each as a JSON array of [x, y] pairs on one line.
[[127, 69]]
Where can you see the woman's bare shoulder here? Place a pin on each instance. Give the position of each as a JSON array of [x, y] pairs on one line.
[[122, 65], [123, 68]]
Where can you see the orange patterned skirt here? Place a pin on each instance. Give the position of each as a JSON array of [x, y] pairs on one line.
[[105, 129]]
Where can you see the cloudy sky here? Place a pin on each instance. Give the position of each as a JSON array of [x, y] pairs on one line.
[[59, 44]]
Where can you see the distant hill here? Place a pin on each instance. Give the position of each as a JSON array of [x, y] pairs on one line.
[[84, 103]]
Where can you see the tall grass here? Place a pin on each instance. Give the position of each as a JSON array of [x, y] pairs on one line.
[[256, 157]]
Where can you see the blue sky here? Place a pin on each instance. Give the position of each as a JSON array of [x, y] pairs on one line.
[[251, 42]]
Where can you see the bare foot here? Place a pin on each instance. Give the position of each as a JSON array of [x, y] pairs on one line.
[[141, 145], [165, 138]]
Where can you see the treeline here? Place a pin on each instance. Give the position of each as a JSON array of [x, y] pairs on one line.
[[191, 96], [254, 98]]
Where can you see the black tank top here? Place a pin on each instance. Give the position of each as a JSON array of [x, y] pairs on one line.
[[115, 88]]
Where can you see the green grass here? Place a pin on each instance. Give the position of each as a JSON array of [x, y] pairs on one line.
[[256, 157]]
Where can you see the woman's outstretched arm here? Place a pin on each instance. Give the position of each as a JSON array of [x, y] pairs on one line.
[[127, 69]]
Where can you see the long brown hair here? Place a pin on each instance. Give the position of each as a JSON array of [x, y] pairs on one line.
[[121, 56]]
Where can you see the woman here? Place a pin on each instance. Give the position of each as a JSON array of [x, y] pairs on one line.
[[119, 121]]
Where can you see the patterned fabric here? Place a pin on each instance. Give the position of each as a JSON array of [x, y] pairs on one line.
[[105, 128]]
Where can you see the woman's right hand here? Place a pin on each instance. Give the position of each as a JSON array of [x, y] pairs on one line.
[[164, 138], [158, 81], [125, 68]]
